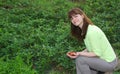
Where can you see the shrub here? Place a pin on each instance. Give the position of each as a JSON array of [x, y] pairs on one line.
[[15, 66], [39, 31]]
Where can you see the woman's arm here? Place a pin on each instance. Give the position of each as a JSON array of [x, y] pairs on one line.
[[85, 50], [87, 54]]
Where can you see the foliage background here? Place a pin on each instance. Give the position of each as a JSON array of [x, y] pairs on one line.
[[35, 34]]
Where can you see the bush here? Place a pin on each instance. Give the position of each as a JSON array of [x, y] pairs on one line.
[[39, 31], [15, 66]]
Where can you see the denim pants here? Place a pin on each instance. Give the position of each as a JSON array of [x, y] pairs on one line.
[[91, 65]]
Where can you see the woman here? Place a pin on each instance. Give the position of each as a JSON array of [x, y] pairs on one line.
[[99, 54]]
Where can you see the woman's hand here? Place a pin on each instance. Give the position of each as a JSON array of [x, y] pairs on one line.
[[72, 55]]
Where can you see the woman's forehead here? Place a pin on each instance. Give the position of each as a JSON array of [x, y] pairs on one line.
[[72, 15]]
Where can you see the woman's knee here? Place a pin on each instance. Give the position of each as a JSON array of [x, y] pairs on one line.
[[80, 59]]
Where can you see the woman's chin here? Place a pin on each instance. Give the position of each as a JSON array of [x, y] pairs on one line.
[[76, 24]]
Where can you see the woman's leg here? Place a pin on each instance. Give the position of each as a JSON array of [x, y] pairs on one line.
[[93, 71], [82, 67], [85, 64]]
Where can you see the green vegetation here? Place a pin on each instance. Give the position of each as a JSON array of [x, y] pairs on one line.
[[35, 34], [15, 66]]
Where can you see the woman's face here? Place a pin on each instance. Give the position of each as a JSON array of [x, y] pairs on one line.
[[77, 20]]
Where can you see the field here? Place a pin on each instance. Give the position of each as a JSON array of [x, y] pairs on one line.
[[35, 34]]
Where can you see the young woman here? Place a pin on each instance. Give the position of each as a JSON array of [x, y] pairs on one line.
[[99, 54]]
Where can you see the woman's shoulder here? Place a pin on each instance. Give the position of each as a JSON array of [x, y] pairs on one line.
[[94, 29]]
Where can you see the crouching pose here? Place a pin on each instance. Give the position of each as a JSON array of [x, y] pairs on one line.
[[98, 54]]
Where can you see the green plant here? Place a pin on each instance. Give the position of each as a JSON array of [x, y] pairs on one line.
[[39, 31], [15, 66]]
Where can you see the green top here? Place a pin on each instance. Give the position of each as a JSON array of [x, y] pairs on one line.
[[97, 42]]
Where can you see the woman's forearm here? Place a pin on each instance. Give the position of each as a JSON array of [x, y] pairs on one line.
[[85, 50], [88, 54]]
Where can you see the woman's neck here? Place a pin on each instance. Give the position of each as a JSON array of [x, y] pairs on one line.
[[81, 25]]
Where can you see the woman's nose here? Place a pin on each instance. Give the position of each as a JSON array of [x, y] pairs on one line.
[[74, 19]]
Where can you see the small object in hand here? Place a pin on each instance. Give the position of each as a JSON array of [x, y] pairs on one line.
[[72, 53]]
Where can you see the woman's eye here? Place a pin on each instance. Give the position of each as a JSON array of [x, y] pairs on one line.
[[71, 18], [76, 15]]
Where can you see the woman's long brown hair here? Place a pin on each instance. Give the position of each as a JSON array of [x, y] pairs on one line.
[[76, 31]]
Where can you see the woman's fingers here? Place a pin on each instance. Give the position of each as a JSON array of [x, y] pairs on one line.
[[72, 54]]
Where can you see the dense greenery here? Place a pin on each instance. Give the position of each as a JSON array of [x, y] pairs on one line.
[[35, 34]]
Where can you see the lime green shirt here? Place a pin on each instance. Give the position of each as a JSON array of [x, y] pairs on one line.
[[97, 42]]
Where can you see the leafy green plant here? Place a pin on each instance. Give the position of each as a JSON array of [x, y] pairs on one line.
[[15, 66], [38, 31]]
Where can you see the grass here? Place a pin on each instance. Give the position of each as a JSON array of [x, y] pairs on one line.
[[56, 72], [59, 72], [116, 73]]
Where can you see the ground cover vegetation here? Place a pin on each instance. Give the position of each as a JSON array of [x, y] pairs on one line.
[[35, 34]]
